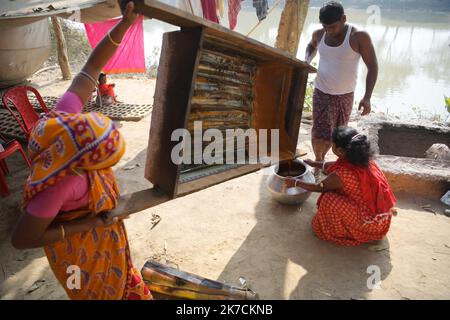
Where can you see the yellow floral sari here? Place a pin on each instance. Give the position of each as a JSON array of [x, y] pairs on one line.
[[60, 144]]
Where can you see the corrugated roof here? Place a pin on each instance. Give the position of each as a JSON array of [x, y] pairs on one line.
[[36, 8]]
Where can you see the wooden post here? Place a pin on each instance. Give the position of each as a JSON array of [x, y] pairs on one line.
[[61, 49], [291, 25]]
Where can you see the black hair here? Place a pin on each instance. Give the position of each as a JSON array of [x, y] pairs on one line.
[[331, 12], [357, 147], [101, 75]]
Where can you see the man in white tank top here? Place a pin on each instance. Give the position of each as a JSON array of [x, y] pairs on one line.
[[340, 47]]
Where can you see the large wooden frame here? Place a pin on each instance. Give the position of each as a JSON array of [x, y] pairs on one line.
[[278, 90]]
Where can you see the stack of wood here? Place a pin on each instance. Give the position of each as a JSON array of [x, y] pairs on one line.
[[168, 283], [223, 93]]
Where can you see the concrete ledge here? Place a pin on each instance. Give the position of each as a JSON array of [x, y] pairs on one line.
[[424, 177]]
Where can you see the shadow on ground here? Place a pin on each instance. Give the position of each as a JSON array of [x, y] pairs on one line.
[[282, 258]]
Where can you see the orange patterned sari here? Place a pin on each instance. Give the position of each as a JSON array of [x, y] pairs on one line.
[[60, 144]]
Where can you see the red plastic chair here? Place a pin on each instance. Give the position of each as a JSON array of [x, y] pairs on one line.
[[10, 147], [18, 97]]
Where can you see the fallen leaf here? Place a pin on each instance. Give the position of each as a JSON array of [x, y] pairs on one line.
[[325, 293], [155, 220], [243, 282], [36, 285], [428, 208], [377, 248], [132, 166]]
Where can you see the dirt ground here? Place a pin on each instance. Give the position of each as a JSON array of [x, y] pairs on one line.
[[235, 229]]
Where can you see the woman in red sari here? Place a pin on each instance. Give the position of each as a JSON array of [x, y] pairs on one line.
[[357, 202], [106, 90]]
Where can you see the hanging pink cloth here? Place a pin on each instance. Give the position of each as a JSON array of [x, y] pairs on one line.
[[210, 10], [234, 6], [129, 57]]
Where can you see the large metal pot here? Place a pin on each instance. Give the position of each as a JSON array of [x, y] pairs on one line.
[[276, 181]]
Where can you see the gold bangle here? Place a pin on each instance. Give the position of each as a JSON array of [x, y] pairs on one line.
[[63, 232], [112, 41], [91, 78]]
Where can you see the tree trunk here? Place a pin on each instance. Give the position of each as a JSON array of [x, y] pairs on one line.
[[291, 25], [61, 49]]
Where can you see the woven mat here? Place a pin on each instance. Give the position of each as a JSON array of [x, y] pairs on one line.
[[117, 111], [9, 126]]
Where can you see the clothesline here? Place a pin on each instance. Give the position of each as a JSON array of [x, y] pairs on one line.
[[259, 22], [212, 9]]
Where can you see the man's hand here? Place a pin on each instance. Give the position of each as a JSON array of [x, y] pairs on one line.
[[365, 105]]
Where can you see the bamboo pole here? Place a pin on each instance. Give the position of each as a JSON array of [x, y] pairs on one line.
[[190, 7], [63, 60], [291, 25], [259, 22]]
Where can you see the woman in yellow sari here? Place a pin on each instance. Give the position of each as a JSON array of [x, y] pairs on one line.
[[72, 185]]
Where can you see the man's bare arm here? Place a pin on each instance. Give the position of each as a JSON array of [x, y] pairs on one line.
[[369, 57], [311, 49]]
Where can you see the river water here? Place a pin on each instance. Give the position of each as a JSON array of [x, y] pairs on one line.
[[413, 51]]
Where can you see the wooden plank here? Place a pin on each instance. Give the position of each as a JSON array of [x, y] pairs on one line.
[[173, 92], [272, 88], [139, 201], [209, 181], [296, 101], [160, 11], [254, 48]]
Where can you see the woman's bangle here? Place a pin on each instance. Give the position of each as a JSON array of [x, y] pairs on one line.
[[323, 167], [112, 41], [63, 232], [91, 78]]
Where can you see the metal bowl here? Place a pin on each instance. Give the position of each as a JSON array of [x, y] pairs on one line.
[[276, 181]]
